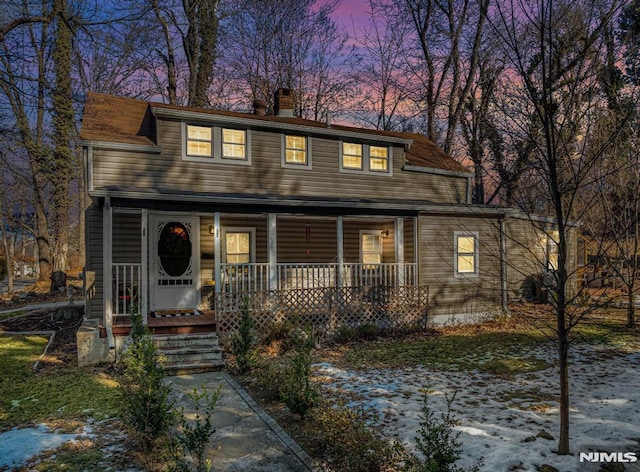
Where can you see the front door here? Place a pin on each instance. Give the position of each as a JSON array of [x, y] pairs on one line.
[[174, 248]]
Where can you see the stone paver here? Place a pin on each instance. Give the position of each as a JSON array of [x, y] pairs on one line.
[[246, 438]]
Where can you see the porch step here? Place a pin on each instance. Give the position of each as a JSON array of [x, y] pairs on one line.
[[194, 340], [189, 353]]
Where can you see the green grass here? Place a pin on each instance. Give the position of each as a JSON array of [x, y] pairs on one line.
[[54, 394], [607, 330], [73, 458], [500, 349], [495, 352]]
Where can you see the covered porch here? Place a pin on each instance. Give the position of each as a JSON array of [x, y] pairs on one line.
[[188, 262]]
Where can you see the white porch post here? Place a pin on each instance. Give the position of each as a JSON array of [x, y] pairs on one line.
[[399, 240], [107, 275], [216, 252], [143, 299], [340, 238], [273, 251]]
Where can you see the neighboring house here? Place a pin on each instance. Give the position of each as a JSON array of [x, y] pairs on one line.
[[193, 209]]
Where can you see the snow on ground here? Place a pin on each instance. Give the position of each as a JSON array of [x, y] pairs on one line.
[[17, 446], [499, 416]]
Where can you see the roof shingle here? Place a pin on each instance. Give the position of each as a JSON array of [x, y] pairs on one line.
[[108, 118]]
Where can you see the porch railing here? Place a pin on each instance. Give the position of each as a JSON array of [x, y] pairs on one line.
[[127, 281], [238, 278]]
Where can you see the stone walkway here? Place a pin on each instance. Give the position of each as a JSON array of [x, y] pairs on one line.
[[246, 438]]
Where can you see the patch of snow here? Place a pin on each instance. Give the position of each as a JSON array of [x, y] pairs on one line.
[[496, 414], [17, 446]]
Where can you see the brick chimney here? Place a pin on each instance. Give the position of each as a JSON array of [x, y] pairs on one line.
[[283, 103]]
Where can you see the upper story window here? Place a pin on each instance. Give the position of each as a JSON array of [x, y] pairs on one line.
[[296, 151], [234, 144], [352, 156], [378, 158], [365, 158], [215, 143], [466, 253], [199, 141]]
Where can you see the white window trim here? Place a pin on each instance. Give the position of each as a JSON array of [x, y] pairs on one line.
[[476, 254], [216, 145], [376, 233], [283, 155], [239, 229], [366, 160]]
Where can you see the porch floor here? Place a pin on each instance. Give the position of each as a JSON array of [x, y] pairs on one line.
[[203, 323]]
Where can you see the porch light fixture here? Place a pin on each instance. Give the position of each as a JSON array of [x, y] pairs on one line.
[[384, 233], [212, 229]]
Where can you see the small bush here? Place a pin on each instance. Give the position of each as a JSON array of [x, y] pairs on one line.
[[348, 441], [242, 340], [365, 332], [368, 332], [297, 391], [147, 411], [280, 333], [269, 379], [344, 335], [437, 442], [196, 434]]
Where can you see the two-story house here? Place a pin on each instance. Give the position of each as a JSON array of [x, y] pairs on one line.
[[192, 209]]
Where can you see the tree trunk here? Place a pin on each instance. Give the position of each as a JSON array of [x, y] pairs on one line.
[[63, 132], [44, 249], [563, 357], [631, 307]]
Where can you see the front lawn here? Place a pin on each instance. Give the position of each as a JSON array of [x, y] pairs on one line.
[[53, 394], [503, 374], [64, 397]]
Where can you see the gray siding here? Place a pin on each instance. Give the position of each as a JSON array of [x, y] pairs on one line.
[[265, 175], [93, 221], [450, 294], [526, 257], [127, 238]]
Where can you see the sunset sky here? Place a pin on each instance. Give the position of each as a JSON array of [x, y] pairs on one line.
[[353, 13]]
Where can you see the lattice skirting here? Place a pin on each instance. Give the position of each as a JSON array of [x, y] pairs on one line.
[[328, 308]]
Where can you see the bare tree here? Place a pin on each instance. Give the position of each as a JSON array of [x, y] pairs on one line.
[[448, 37], [23, 81], [554, 51], [293, 44], [384, 85], [189, 34]]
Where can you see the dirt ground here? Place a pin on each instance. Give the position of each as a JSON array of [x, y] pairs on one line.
[[63, 350]]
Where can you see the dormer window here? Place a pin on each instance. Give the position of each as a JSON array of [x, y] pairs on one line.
[[367, 158], [234, 144], [199, 141], [296, 151], [215, 143], [378, 158], [352, 156]]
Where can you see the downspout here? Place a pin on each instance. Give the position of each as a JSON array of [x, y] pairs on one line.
[[503, 264]]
